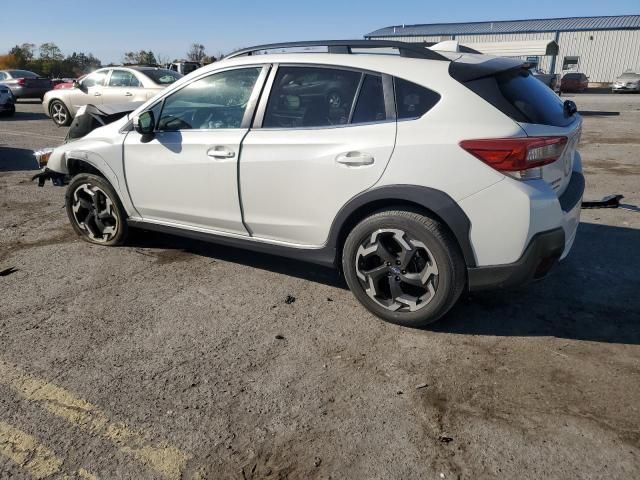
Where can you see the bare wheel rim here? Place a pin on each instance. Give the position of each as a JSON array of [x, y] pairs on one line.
[[94, 212], [58, 112], [396, 271]]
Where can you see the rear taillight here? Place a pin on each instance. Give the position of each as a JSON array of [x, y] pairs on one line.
[[518, 157], [21, 81]]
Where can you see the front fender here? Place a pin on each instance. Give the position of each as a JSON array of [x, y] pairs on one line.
[[102, 150]]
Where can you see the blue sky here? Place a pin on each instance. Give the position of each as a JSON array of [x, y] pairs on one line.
[[108, 28]]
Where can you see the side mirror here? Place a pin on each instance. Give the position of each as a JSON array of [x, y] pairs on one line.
[[144, 123], [79, 86], [570, 108]]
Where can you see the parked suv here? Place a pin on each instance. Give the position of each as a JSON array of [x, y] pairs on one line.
[[436, 172]]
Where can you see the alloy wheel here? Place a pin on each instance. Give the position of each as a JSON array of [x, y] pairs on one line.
[[396, 271], [59, 113], [94, 213]]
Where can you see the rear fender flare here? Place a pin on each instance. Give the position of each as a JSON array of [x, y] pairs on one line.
[[435, 201]]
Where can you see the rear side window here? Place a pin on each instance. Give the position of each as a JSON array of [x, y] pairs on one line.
[[311, 97], [370, 104], [413, 101], [521, 96]]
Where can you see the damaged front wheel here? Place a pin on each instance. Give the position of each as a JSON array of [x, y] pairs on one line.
[[95, 211]]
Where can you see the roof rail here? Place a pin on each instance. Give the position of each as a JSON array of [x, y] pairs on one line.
[[409, 50]]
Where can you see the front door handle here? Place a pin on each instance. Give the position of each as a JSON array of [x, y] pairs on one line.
[[128, 94], [97, 94], [220, 152], [355, 159]]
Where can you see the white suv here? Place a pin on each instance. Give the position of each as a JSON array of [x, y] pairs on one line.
[[419, 174]]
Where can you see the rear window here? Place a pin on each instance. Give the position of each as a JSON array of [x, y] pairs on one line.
[[162, 76], [519, 95], [573, 76]]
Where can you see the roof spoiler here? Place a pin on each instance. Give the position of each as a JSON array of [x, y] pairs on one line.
[[467, 69]]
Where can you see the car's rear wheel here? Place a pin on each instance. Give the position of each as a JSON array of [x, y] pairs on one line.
[[404, 267], [59, 113], [95, 211]]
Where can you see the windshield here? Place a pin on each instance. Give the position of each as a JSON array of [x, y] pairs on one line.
[[630, 76], [162, 76], [22, 74]]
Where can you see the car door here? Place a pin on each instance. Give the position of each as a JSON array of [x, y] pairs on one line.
[[186, 174], [122, 87], [311, 154], [89, 91]]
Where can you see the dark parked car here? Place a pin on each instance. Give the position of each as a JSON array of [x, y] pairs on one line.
[[25, 84], [574, 82], [7, 102]]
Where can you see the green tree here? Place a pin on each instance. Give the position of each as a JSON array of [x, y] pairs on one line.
[[140, 58], [23, 54], [50, 51]]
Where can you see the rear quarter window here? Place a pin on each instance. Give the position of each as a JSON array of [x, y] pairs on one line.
[[412, 100]]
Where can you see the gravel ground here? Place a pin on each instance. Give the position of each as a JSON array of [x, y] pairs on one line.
[[176, 359]]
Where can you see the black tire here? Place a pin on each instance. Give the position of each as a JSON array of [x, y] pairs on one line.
[[103, 222], [58, 119], [441, 249]]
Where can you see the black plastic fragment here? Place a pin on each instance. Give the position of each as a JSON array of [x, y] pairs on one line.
[[610, 201]]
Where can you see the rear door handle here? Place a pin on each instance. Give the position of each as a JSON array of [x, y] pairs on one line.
[[220, 152], [355, 159], [128, 94], [97, 94]]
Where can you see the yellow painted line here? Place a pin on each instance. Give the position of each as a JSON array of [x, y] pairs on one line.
[[164, 459], [24, 451]]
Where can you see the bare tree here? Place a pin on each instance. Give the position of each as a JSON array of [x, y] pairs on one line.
[[163, 59], [196, 53]]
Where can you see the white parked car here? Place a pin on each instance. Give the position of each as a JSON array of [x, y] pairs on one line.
[[435, 172], [627, 82], [113, 85]]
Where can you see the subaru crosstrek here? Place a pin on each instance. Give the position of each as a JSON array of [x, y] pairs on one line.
[[436, 171]]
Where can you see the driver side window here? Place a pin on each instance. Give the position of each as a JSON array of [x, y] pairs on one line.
[[96, 79], [213, 102]]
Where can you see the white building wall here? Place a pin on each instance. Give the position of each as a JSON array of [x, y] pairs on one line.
[[604, 58], [544, 62]]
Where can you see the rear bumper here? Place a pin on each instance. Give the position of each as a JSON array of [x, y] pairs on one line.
[[625, 89], [28, 92], [544, 250]]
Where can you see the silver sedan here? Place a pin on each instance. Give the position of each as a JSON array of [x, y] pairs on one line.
[[627, 82], [113, 85]]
